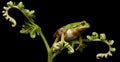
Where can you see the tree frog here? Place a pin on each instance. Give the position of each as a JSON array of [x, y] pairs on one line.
[[72, 31]]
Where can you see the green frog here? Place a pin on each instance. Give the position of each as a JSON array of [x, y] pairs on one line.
[[72, 31]]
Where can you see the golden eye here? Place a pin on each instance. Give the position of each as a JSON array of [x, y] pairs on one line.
[[82, 23]]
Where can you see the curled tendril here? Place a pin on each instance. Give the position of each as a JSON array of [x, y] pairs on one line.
[[69, 47], [62, 44], [94, 37], [57, 46], [29, 14], [29, 26]]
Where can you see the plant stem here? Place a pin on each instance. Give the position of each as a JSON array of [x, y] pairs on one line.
[[50, 56], [49, 51]]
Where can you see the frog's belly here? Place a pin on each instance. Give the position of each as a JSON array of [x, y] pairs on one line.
[[69, 35]]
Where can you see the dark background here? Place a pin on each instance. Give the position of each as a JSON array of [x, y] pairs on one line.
[[51, 15]]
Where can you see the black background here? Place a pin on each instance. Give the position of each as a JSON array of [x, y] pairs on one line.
[[51, 15]]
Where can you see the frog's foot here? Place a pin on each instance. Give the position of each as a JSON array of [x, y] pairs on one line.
[[81, 47], [57, 46], [78, 47]]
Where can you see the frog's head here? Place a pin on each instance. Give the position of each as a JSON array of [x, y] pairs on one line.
[[81, 25]]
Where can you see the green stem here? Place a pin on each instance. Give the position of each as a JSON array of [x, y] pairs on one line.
[[49, 51], [86, 40], [50, 57]]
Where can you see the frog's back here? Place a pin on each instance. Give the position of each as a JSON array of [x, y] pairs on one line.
[[65, 28]]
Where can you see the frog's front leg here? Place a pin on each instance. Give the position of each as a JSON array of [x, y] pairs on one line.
[[62, 38]]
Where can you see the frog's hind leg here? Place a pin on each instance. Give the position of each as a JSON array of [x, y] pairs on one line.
[[80, 43]]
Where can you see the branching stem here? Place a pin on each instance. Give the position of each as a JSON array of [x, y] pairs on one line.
[[49, 51]]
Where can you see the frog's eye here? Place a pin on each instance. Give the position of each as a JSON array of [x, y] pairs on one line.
[[82, 23]]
